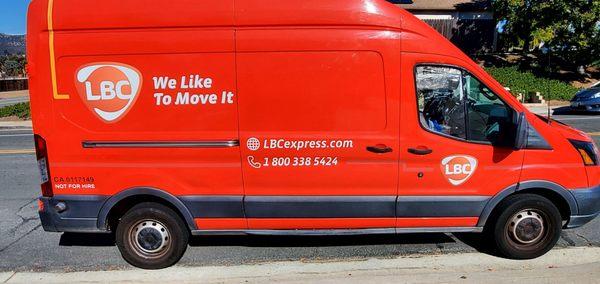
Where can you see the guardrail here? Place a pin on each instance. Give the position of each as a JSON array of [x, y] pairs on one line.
[[13, 84]]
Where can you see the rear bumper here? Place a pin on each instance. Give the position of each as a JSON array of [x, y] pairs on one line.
[[588, 204], [80, 214]]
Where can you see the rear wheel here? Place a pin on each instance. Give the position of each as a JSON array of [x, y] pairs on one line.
[[527, 226], [151, 236]]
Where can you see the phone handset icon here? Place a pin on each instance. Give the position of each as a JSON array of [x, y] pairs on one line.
[[253, 163]]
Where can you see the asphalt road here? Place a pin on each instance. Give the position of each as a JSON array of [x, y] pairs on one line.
[[25, 246]]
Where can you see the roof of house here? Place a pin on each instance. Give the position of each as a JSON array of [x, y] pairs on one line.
[[448, 5]]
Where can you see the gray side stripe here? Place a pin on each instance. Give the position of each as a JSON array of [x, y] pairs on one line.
[[334, 206], [162, 144], [440, 206], [319, 206]]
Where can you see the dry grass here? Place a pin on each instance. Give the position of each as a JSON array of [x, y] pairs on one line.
[[11, 118]]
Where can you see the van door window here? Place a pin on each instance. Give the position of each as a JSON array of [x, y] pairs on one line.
[[453, 102], [440, 99], [489, 118]]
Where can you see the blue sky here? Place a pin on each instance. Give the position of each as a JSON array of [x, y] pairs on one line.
[[13, 14]]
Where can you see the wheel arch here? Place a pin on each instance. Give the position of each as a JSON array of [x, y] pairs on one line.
[[560, 196], [120, 202]]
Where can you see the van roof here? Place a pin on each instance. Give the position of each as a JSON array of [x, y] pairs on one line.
[[130, 14], [77, 15]]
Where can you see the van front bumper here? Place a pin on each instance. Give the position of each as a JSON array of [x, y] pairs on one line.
[[71, 213], [588, 204]]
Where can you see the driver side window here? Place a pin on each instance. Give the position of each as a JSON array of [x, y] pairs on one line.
[[454, 103]]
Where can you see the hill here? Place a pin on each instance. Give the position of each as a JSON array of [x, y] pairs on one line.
[[13, 44]]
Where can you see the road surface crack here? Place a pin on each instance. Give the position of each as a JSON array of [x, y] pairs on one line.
[[24, 219], [568, 239], [589, 243], [20, 238], [25, 205]]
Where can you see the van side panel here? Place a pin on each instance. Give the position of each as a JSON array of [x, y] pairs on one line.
[[173, 66], [593, 174], [109, 126], [312, 101], [561, 165]]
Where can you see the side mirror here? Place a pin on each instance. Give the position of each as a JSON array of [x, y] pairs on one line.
[[522, 132]]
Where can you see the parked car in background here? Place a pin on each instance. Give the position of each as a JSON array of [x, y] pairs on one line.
[[587, 99]]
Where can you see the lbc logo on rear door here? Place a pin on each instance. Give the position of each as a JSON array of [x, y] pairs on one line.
[[109, 90], [458, 169]]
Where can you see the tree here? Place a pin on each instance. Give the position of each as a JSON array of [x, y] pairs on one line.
[[570, 29], [12, 65], [11, 68]]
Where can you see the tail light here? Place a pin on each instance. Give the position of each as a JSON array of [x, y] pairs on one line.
[[42, 159], [588, 152], [41, 206]]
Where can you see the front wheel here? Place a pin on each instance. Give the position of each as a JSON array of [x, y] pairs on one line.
[[151, 236], [528, 226]]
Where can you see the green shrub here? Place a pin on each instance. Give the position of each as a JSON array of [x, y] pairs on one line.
[[524, 82], [20, 110]]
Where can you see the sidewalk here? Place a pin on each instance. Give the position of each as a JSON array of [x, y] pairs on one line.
[[574, 265], [543, 109]]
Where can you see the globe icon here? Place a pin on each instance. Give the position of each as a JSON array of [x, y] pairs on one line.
[[253, 144]]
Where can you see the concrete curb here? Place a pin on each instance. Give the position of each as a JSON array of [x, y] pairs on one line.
[[581, 265], [15, 124]]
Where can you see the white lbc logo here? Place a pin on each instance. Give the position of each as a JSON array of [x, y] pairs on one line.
[[253, 144]]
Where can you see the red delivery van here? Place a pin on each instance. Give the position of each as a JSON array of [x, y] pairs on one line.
[[167, 119]]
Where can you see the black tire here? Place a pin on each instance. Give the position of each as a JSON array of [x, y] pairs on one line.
[[151, 236], [516, 229]]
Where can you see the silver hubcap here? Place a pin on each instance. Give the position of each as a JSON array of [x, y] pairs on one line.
[[527, 226], [150, 238]]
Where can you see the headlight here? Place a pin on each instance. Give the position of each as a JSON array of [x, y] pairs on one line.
[[587, 150]]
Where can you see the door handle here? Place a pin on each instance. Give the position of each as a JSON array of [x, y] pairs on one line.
[[379, 149], [420, 151]]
